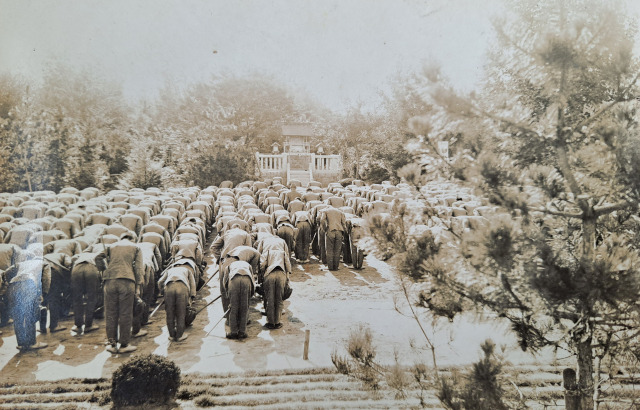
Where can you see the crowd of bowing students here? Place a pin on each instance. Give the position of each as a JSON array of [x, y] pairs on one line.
[[125, 250]]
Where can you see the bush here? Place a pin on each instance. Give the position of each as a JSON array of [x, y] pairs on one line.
[[361, 360], [149, 379], [480, 390]]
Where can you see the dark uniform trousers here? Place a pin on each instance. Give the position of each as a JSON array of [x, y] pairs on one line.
[[346, 248], [315, 242], [4, 308], [322, 245], [334, 248], [55, 298], [119, 296], [85, 283], [303, 239], [223, 280], [239, 293], [273, 290], [287, 234], [357, 255], [176, 299]]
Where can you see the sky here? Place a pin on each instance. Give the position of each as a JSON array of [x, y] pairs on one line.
[[340, 52]]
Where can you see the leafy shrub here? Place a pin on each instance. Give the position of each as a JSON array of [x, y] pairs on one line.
[[149, 379]]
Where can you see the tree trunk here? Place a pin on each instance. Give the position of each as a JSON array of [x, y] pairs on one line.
[[585, 374], [588, 234], [571, 397], [28, 181], [584, 338]]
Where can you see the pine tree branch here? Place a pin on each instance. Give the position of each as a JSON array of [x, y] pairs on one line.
[[538, 333], [511, 42], [560, 314], [565, 170], [512, 123], [558, 213], [461, 290], [431, 346], [561, 143], [624, 326], [597, 114], [507, 285], [607, 107], [607, 209]]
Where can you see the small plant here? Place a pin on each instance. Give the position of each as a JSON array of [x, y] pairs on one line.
[[480, 389], [360, 363], [149, 379], [398, 379], [421, 379], [205, 401]]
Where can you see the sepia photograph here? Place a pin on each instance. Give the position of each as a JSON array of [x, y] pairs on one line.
[[320, 204]]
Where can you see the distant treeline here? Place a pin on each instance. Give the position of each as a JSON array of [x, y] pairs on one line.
[[76, 130]]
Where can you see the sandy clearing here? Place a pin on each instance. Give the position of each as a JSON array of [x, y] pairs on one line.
[[329, 304]]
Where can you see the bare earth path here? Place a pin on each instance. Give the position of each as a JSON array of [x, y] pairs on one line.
[[329, 304]]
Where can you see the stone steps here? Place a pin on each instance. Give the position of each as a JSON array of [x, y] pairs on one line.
[[300, 175], [317, 388]]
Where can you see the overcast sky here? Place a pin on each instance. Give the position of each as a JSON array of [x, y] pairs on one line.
[[340, 52]]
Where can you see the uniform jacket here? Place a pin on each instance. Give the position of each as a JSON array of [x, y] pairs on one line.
[[239, 268], [247, 254], [273, 259], [187, 248], [310, 196], [132, 222], [335, 201], [68, 246], [333, 219], [180, 273], [123, 261], [271, 242], [69, 226], [229, 240], [8, 255], [295, 206]]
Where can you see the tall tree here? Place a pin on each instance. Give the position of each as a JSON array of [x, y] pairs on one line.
[[208, 120], [97, 119], [253, 107], [28, 135], [372, 143], [12, 93], [553, 140]]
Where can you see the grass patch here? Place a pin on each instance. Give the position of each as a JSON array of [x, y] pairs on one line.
[[94, 381], [102, 398], [277, 399], [264, 373], [315, 388], [262, 380], [205, 401], [46, 398], [50, 388], [191, 392]]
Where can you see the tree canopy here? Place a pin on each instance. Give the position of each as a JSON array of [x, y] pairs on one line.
[[551, 141]]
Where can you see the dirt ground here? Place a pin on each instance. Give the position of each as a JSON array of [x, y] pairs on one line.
[[329, 304]]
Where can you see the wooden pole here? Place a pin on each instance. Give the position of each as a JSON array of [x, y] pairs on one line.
[[305, 355], [156, 309], [214, 326]]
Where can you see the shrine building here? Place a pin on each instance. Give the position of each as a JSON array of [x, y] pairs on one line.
[[297, 161]]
